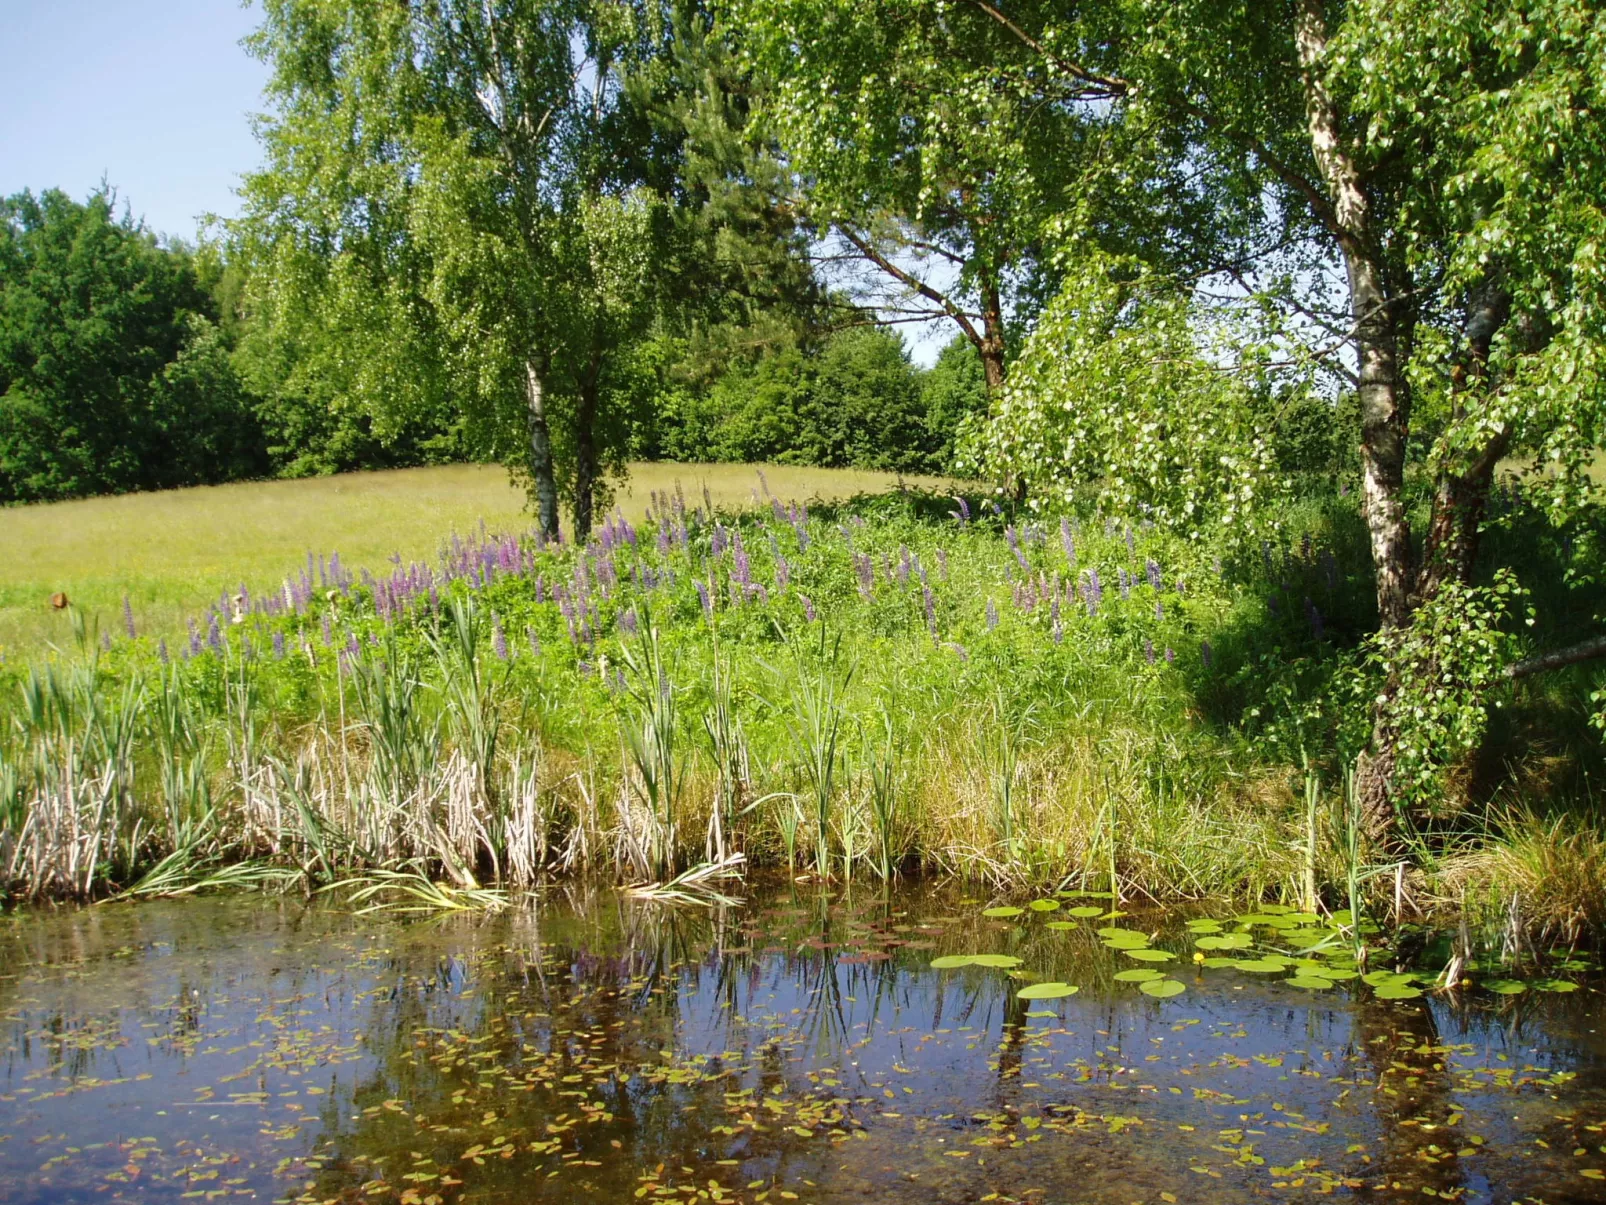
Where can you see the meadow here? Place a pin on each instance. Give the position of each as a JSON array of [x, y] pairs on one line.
[[891, 684], [170, 552]]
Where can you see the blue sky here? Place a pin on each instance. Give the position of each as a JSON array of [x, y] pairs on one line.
[[154, 97]]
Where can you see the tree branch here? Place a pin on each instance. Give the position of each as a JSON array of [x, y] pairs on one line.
[[1586, 650], [912, 282], [1112, 85]]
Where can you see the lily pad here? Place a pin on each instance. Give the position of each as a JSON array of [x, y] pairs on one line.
[[1336, 974], [1044, 905], [1506, 987], [1060, 924], [1555, 985], [1204, 924], [1312, 983], [1261, 966], [952, 962], [1219, 961], [1123, 938], [1225, 941], [1047, 991], [1084, 910], [1138, 975], [1147, 955], [1001, 913], [1397, 991], [1161, 989]]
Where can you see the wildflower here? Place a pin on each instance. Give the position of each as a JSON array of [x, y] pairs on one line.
[[1125, 579], [865, 568], [627, 622], [808, 608], [963, 513], [498, 638], [1159, 611], [278, 646], [161, 651], [535, 641], [1170, 656], [128, 617], [1148, 651], [930, 600], [704, 597], [1068, 543], [1014, 546], [1153, 571], [992, 615], [328, 632], [942, 564], [214, 635], [783, 573]]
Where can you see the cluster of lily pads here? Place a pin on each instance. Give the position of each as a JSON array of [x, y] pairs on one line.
[[1312, 952]]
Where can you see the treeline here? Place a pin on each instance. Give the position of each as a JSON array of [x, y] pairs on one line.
[[128, 362]]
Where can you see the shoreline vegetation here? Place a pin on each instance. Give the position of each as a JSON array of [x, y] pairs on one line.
[[894, 684]]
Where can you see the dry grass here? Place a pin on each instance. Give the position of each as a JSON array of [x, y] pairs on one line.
[[173, 551]]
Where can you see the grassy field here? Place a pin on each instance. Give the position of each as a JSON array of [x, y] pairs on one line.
[[172, 552]]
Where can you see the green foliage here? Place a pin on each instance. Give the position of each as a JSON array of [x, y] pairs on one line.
[[113, 375]]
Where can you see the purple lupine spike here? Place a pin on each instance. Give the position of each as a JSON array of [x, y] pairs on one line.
[[756, 590], [195, 639], [1316, 625], [628, 623], [1159, 611], [328, 632], [779, 511], [865, 568], [161, 651], [783, 574], [942, 564], [535, 641], [1131, 544], [743, 569], [1095, 586], [498, 638], [992, 615], [930, 601], [214, 635], [1152, 570], [1206, 654], [1148, 651], [704, 597], [1125, 582], [1170, 655], [903, 565], [808, 608], [278, 646], [716, 542], [1067, 541], [128, 617], [1014, 546], [963, 513]]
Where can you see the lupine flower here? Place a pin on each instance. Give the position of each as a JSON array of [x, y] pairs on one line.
[[214, 635], [942, 564], [1125, 581], [128, 617], [1148, 651], [865, 568], [1159, 611], [930, 601], [960, 649], [161, 651], [535, 641], [1014, 546], [903, 565], [1067, 542], [783, 573], [808, 608], [1131, 544], [704, 597], [498, 638], [278, 646], [328, 632], [1170, 656], [992, 615], [1153, 571], [963, 513]]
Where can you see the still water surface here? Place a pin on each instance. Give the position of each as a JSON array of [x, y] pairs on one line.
[[799, 1048]]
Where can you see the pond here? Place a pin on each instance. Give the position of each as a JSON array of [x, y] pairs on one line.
[[797, 1048]]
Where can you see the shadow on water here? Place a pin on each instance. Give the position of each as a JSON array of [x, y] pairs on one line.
[[797, 1049]]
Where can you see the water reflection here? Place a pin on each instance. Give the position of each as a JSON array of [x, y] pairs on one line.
[[798, 1048]]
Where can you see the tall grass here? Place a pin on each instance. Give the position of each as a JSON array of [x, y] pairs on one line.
[[886, 687]]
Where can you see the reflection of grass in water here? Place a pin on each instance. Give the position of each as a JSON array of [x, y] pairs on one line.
[[174, 551]]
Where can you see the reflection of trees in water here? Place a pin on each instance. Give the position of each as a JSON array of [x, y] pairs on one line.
[[1412, 1087]]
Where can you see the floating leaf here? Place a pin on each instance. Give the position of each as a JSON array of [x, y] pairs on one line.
[[1084, 910], [1220, 961], [1044, 905], [1047, 991], [1147, 955], [1261, 966], [1002, 913], [1275, 909], [1555, 985], [1225, 941], [950, 962], [1336, 974], [1001, 962], [1138, 975], [1506, 987], [1397, 991], [1161, 989], [1313, 983], [1383, 978], [1060, 924], [1204, 924]]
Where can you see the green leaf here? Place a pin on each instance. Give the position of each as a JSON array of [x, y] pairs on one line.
[[1147, 955], [1138, 975], [1047, 991], [1001, 913], [1314, 983], [1044, 905], [1161, 989], [1506, 987]]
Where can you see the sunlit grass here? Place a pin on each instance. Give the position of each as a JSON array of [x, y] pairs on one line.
[[172, 552]]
